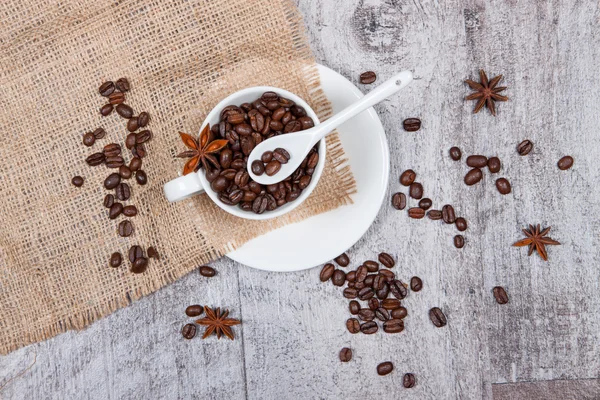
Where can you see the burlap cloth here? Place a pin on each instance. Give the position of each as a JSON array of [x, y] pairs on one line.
[[181, 57]]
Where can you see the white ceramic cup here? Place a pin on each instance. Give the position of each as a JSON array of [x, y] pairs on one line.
[[195, 183]]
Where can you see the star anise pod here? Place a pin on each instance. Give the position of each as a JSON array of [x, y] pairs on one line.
[[486, 92], [537, 241], [202, 150], [218, 323]]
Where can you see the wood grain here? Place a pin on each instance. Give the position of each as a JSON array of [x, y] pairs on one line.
[[293, 326]]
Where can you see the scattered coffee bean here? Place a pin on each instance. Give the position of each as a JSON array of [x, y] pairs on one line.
[[133, 124], [130, 141], [143, 136], [124, 110], [116, 98], [459, 241], [473, 176], [415, 190], [342, 260], [369, 328], [106, 88], [95, 159], [194, 311], [112, 181], [140, 177], [188, 331], [461, 224], [390, 304], [524, 147], [408, 177], [143, 119], [425, 203], [409, 380], [500, 295], [125, 228], [366, 314], [386, 260], [437, 317], [494, 164], [109, 200], [361, 273], [398, 289], [393, 326], [139, 265], [387, 275], [373, 304], [135, 164], [455, 153], [207, 271], [503, 186], [448, 214], [399, 313], [351, 276], [354, 307], [77, 181], [565, 163], [152, 253], [345, 354], [399, 201], [135, 252], [366, 293], [350, 293], [130, 211], [338, 278], [477, 161], [125, 172], [139, 150], [326, 272], [89, 139], [106, 109], [122, 84], [434, 214], [411, 124], [353, 325], [366, 78], [123, 192], [114, 162], [99, 133], [385, 368], [416, 212], [272, 168], [372, 266], [116, 259], [369, 280]]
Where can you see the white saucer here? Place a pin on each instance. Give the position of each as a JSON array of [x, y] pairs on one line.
[[327, 235]]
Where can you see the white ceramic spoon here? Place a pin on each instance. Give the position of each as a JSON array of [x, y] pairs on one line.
[[298, 144]]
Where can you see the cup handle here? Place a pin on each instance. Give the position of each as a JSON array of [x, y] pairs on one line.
[[183, 187]]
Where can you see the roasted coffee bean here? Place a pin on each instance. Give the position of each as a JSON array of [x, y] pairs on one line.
[[228, 174], [477, 161], [371, 266], [116, 259], [99, 133], [272, 168], [503, 186], [89, 139], [194, 311], [416, 284], [313, 160], [130, 211], [140, 177], [408, 177], [385, 368], [125, 228], [425, 203], [143, 119], [408, 380], [373, 303], [236, 118], [366, 314], [225, 158], [415, 190], [241, 178], [307, 122], [243, 129], [565, 163], [95, 159], [399, 313], [292, 126], [259, 205], [500, 295], [135, 164], [249, 196], [524, 147], [369, 280], [236, 196], [345, 354], [459, 241], [437, 317], [354, 307], [390, 304], [106, 88], [116, 98], [281, 155], [143, 136], [106, 109], [393, 326], [139, 150], [386, 260], [304, 182], [258, 168], [122, 84], [383, 292], [398, 289], [351, 276], [267, 156], [225, 199], [77, 181], [130, 141], [207, 271], [416, 212], [125, 172], [368, 77], [434, 214], [411, 124], [353, 325], [461, 224], [339, 277], [188, 331], [152, 253], [297, 111], [135, 252], [359, 285], [378, 281], [350, 293], [124, 110], [494, 164], [112, 181], [123, 192], [369, 328], [382, 314], [109, 200], [366, 293], [361, 273], [387, 275], [399, 201], [114, 162], [342, 260], [448, 214], [246, 206], [247, 144], [269, 96], [455, 153], [473, 176]]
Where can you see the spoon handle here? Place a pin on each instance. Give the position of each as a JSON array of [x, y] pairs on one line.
[[381, 92]]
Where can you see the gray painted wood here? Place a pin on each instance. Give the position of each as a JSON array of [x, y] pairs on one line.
[[293, 326]]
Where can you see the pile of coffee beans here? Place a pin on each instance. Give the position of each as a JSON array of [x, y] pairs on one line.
[[270, 162], [477, 164], [415, 191], [244, 127]]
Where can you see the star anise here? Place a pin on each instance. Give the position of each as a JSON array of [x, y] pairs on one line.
[[537, 240], [217, 323], [486, 92], [202, 150]]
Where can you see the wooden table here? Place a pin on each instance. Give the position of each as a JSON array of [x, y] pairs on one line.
[[542, 344]]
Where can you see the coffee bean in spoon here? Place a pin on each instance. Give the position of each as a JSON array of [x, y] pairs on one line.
[[258, 168], [272, 168]]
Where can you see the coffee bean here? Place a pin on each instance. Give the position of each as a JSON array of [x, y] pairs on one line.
[[351, 276], [408, 177], [459, 241], [130, 211], [369, 280], [140, 177], [455, 153], [503, 186], [354, 307], [386, 260], [258, 167], [385, 368], [236, 118], [565, 163], [461, 224], [130, 141], [378, 281], [207, 271], [366, 78], [494, 164], [408, 380], [194, 310], [411, 124], [342, 260], [448, 214], [382, 314], [114, 162], [272, 168], [399, 313], [359, 285], [124, 110], [297, 111], [399, 201], [133, 124], [353, 325], [77, 181], [416, 284], [135, 164], [139, 150], [89, 139], [398, 289], [281, 155], [416, 212], [125, 228], [473, 176], [267, 156], [188, 331], [135, 252], [99, 133], [415, 190], [373, 304], [361, 273], [304, 181], [434, 214], [366, 293], [225, 158], [106, 88], [393, 326], [125, 172], [112, 181], [437, 317], [111, 150], [369, 328], [143, 136], [123, 192], [350, 293], [109, 200], [116, 98], [345, 354], [390, 304], [95, 159], [116, 259], [366, 314], [143, 119], [247, 144], [372, 266], [307, 122], [425, 203], [500, 295], [106, 109], [524, 147], [387, 275], [326, 272], [339, 277], [260, 204], [313, 160], [122, 84], [477, 161], [152, 253]]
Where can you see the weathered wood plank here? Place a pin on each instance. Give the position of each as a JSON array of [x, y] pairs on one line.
[[580, 389]]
